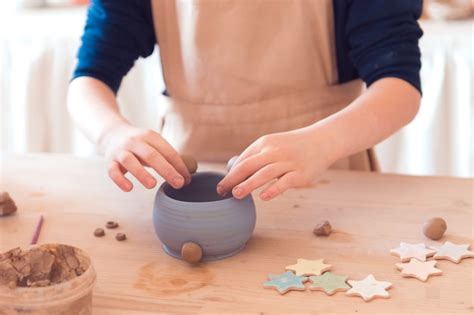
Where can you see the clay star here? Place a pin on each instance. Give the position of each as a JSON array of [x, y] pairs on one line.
[[453, 252], [285, 282], [418, 269], [304, 267], [329, 283], [407, 251], [369, 288]]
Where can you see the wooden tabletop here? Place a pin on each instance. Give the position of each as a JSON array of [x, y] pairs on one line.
[[371, 214]]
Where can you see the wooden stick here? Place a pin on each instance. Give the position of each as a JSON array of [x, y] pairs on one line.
[[36, 235]]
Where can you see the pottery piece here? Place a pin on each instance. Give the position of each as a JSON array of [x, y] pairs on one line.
[[219, 226], [453, 252], [408, 251], [329, 283], [285, 282], [369, 288], [420, 270]]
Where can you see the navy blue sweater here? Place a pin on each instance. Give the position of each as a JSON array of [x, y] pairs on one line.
[[374, 39]]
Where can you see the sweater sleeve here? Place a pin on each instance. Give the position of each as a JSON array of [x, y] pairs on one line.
[[382, 38], [117, 32]]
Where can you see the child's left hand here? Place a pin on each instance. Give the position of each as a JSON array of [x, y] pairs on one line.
[[282, 160]]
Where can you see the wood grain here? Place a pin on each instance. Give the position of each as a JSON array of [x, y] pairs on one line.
[[370, 214]]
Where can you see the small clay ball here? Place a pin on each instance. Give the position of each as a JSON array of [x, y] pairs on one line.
[[322, 229], [99, 232], [121, 237], [191, 252], [4, 197], [191, 163], [111, 225], [7, 205], [7, 208], [231, 162], [434, 228]]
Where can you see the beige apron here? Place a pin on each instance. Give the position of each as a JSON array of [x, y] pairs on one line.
[[240, 69]]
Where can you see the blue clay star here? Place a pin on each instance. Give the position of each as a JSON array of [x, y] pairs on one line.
[[285, 282]]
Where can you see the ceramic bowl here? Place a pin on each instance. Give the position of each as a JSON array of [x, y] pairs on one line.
[[196, 214]]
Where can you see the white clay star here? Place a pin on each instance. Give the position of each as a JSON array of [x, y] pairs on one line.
[[408, 251], [453, 252], [420, 270], [369, 288]]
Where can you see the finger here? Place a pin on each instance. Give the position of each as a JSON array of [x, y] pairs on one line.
[[284, 183], [130, 162], [242, 171], [260, 178], [247, 153], [169, 153], [116, 173], [156, 161]]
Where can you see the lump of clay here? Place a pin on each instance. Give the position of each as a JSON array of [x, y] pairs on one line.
[[322, 229], [434, 228], [191, 252], [190, 162], [40, 266], [7, 205]]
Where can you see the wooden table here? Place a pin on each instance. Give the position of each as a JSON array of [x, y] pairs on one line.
[[371, 213]]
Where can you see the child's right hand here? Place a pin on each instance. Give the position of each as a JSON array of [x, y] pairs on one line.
[[130, 149]]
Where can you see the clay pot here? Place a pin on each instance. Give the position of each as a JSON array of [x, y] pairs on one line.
[[196, 224]]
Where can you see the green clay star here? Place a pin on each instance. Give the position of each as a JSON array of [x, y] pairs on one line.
[[285, 282], [329, 283]]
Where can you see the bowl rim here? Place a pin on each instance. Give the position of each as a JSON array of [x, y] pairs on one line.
[[228, 199]]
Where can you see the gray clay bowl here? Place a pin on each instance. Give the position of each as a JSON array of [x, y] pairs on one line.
[[221, 226]]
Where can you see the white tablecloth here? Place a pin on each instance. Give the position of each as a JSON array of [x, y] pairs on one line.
[[440, 140], [37, 55]]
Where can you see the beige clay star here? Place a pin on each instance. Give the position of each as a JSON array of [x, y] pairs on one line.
[[304, 267], [420, 270], [407, 251], [369, 288], [453, 252]]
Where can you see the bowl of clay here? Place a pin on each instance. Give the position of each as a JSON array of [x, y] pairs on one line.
[[195, 223]]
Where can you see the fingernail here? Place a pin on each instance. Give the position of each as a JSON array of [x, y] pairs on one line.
[[237, 191], [178, 181], [150, 182], [220, 190], [187, 181], [265, 196]]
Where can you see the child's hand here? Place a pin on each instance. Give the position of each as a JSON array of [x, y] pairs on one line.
[[289, 159], [130, 149]]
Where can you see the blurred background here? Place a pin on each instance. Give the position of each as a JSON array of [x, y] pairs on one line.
[[39, 40]]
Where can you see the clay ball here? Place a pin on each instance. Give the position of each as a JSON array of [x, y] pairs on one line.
[[111, 225], [121, 237], [191, 252], [323, 229], [434, 228], [99, 232], [7, 205], [191, 163], [4, 197], [231, 162]]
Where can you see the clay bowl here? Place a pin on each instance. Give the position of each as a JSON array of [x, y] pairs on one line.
[[196, 224]]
